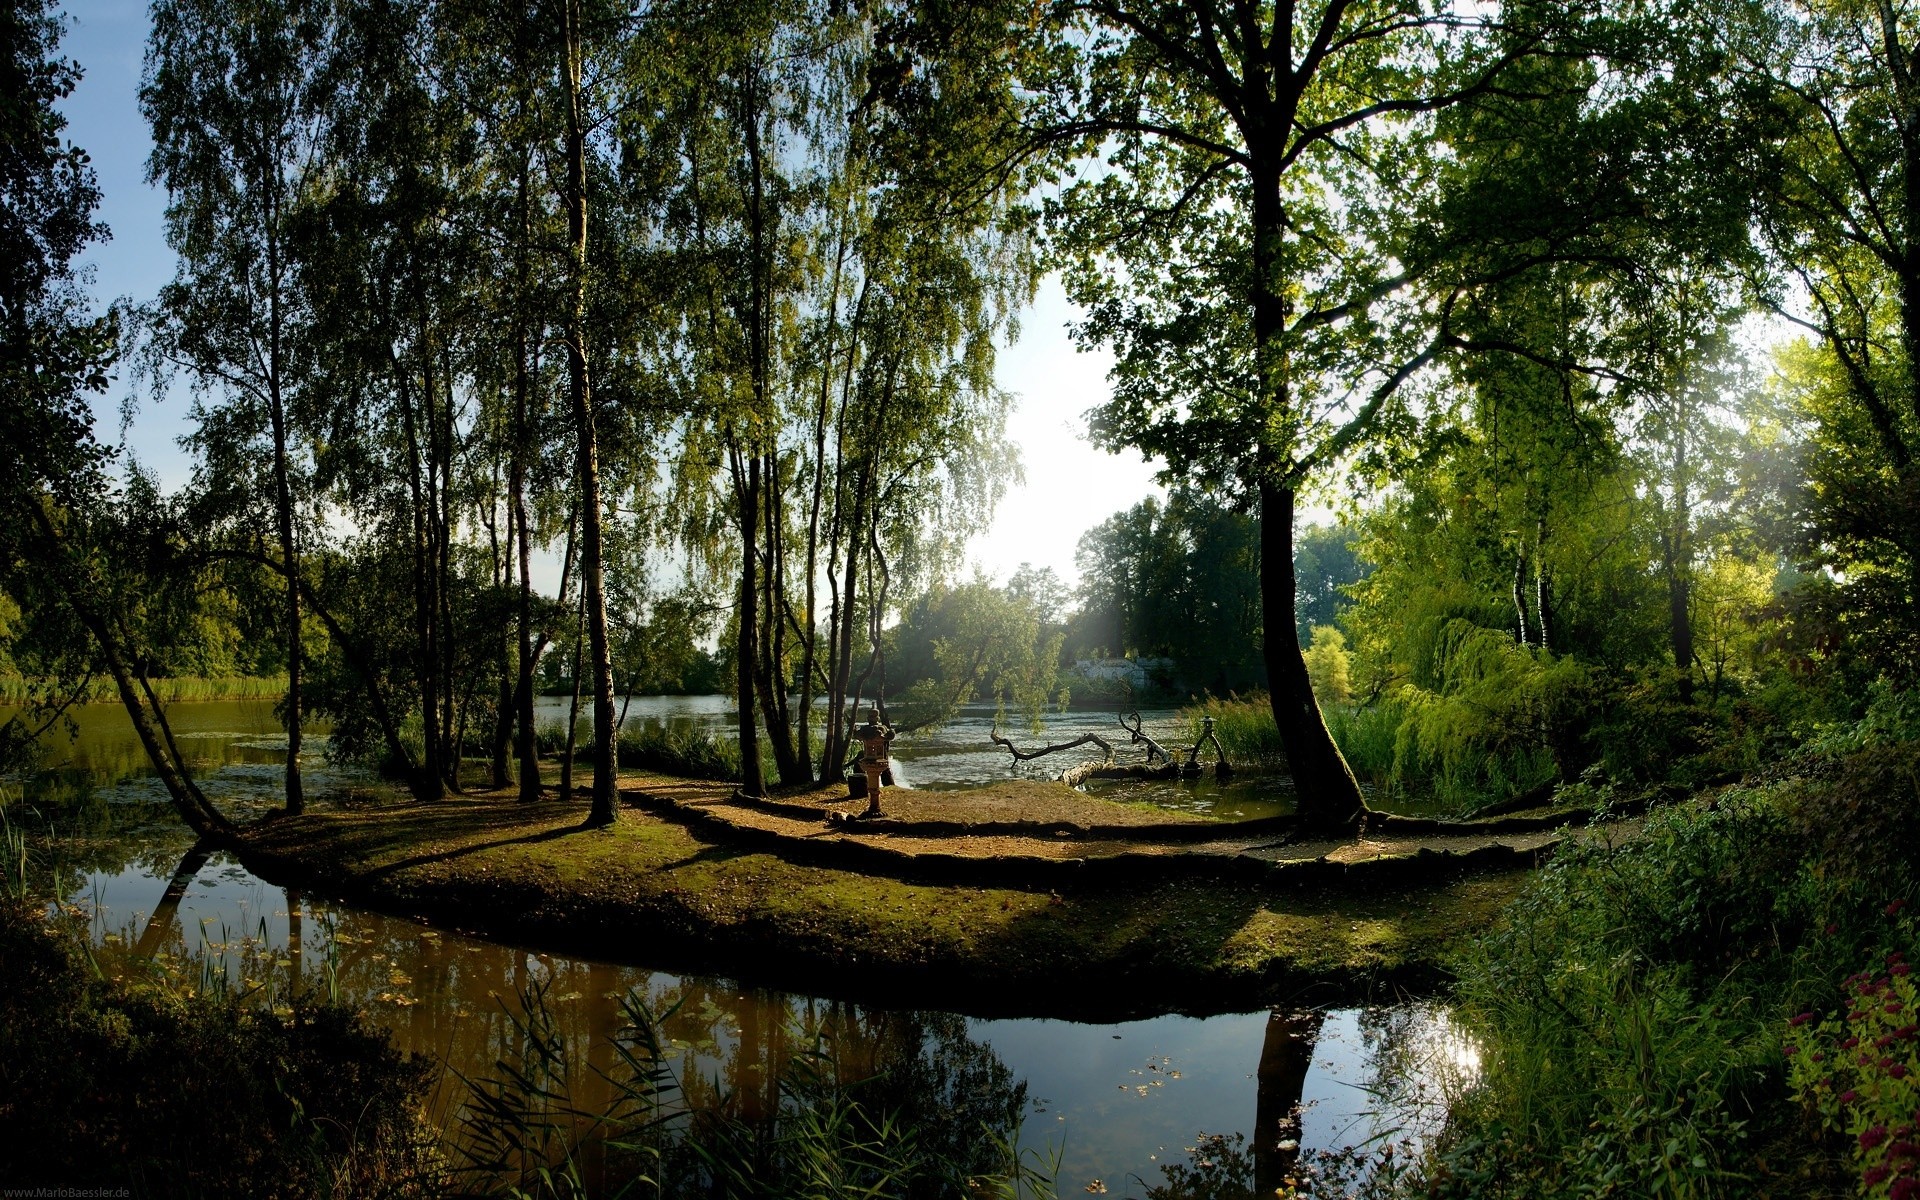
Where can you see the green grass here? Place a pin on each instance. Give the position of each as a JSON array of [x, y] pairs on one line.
[[529, 871]]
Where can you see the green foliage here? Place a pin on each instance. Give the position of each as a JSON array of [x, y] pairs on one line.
[[970, 642], [1859, 1068], [1497, 722], [1633, 1007], [1180, 581], [1329, 666]]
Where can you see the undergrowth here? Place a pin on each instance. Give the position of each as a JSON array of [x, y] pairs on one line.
[[1636, 1005]]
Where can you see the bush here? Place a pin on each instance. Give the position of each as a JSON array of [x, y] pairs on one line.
[[1634, 1005], [1859, 1069]]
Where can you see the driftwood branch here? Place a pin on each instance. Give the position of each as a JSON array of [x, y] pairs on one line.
[[1167, 767], [1020, 755], [1136, 736]]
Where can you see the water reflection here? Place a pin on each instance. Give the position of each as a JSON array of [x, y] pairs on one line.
[[1134, 1107]]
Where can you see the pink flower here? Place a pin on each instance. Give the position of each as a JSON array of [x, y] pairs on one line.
[[1894, 908], [1802, 1019], [1832, 929], [1850, 1043], [1904, 1189], [1898, 1070], [1848, 1096], [1875, 1176], [1870, 1138], [1902, 969], [1894, 1007]]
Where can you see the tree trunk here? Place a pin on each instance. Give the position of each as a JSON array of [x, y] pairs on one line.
[[1329, 794], [592, 564], [187, 799], [573, 722], [289, 553], [747, 643], [1520, 596]]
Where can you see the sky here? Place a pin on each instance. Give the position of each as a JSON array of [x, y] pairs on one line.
[[1070, 486]]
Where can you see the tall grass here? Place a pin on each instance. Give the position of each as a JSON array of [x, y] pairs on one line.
[[1243, 725], [17, 689], [522, 1134], [674, 747]]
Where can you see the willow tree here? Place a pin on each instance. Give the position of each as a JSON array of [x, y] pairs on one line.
[[841, 342], [237, 129]]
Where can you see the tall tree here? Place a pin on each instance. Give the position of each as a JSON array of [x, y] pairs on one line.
[[1243, 251], [1842, 219], [237, 130]]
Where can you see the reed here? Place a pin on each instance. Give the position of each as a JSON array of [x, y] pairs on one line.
[[523, 1135], [21, 689]]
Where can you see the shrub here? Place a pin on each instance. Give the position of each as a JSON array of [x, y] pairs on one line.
[[1859, 1069]]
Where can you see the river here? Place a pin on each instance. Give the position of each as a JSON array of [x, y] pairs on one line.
[[1116, 1104]]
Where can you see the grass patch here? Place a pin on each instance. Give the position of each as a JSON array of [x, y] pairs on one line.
[[529, 871]]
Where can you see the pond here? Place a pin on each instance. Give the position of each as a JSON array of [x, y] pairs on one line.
[[960, 752], [1117, 1104]]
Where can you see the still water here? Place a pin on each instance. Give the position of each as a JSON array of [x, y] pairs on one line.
[[1117, 1104], [960, 752]]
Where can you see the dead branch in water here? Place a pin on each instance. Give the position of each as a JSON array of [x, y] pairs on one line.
[[1136, 735], [1020, 755]]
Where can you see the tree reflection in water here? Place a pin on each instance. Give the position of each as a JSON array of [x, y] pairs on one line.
[[721, 1090], [1415, 1063]]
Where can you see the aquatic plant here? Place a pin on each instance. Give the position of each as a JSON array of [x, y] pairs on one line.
[[523, 1135]]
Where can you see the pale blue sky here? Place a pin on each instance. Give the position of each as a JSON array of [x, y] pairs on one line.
[[1070, 487]]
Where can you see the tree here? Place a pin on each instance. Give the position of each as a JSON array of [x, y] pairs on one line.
[[843, 311], [1842, 220], [1257, 156], [56, 519], [237, 132]]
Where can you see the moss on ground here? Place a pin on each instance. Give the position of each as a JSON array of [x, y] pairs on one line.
[[651, 890]]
